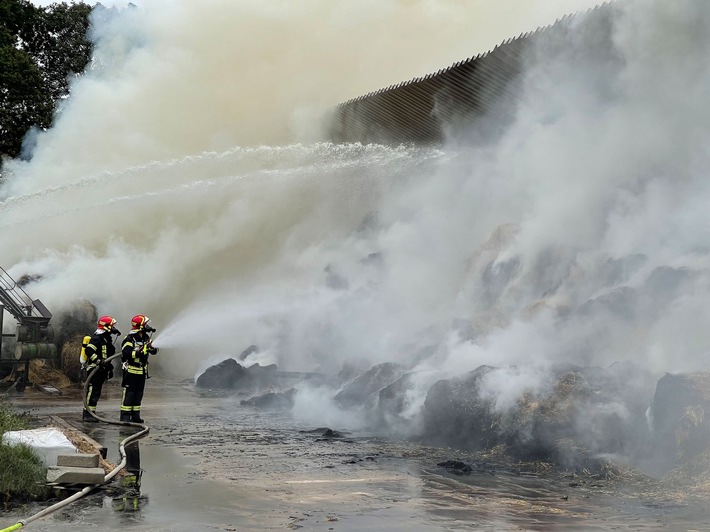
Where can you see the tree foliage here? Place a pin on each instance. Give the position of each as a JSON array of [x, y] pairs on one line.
[[41, 49]]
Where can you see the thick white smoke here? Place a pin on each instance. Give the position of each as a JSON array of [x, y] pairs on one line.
[[185, 178], [604, 177], [169, 183], [179, 78]]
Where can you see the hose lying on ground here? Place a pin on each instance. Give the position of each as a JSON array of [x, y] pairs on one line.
[[108, 477]]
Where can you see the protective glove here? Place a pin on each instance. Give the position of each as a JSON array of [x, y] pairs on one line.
[[149, 349], [109, 375]]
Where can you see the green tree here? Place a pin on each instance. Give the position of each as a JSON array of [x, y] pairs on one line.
[[24, 98], [41, 49], [62, 47]]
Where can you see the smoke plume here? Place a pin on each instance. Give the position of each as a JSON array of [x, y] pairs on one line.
[[187, 177]]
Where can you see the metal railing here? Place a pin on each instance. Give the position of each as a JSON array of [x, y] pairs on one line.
[[18, 303]]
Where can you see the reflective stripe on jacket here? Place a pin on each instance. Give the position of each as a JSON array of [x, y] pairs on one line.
[[134, 352], [99, 348]]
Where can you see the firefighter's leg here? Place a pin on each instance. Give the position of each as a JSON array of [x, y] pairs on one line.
[[138, 398], [129, 396], [125, 407], [93, 396]]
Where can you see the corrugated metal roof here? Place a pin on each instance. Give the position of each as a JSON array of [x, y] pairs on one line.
[[422, 109]]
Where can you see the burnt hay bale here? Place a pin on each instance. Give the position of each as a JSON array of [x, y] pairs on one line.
[[71, 350], [79, 319], [363, 388], [677, 415], [224, 375]]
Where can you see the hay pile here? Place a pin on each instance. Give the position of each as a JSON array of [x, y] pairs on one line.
[[41, 373], [79, 319], [70, 357]]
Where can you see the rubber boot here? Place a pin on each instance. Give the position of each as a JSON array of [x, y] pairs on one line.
[[126, 417], [136, 417], [86, 417]]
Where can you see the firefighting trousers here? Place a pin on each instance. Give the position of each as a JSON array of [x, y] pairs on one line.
[[133, 385], [94, 390]]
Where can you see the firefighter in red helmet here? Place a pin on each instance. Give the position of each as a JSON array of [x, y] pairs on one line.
[[135, 350], [99, 348]]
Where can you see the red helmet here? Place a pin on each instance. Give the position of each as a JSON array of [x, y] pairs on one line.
[[106, 323], [139, 322]]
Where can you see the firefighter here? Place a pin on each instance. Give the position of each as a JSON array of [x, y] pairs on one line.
[[99, 348], [135, 349]]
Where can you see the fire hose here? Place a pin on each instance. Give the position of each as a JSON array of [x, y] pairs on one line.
[[121, 449]]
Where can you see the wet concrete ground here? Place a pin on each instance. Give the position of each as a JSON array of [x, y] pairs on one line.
[[210, 464]]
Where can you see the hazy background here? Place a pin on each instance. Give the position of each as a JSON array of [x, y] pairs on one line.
[[186, 178]]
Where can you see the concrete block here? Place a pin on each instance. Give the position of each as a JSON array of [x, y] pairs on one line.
[[75, 475], [78, 460]]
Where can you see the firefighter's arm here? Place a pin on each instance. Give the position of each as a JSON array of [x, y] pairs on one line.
[[127, 349], [148, 349], [92, 353]]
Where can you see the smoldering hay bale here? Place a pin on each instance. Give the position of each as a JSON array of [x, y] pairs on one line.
[[79, 319], [677, 415], [363, 388], [455, 415], [71, 351], [392, 399], [230, 374], [580, 415], [224, 375], [272, 400]]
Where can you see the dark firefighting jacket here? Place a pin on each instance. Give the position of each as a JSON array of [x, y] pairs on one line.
[[99, 348], [135, 349]]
